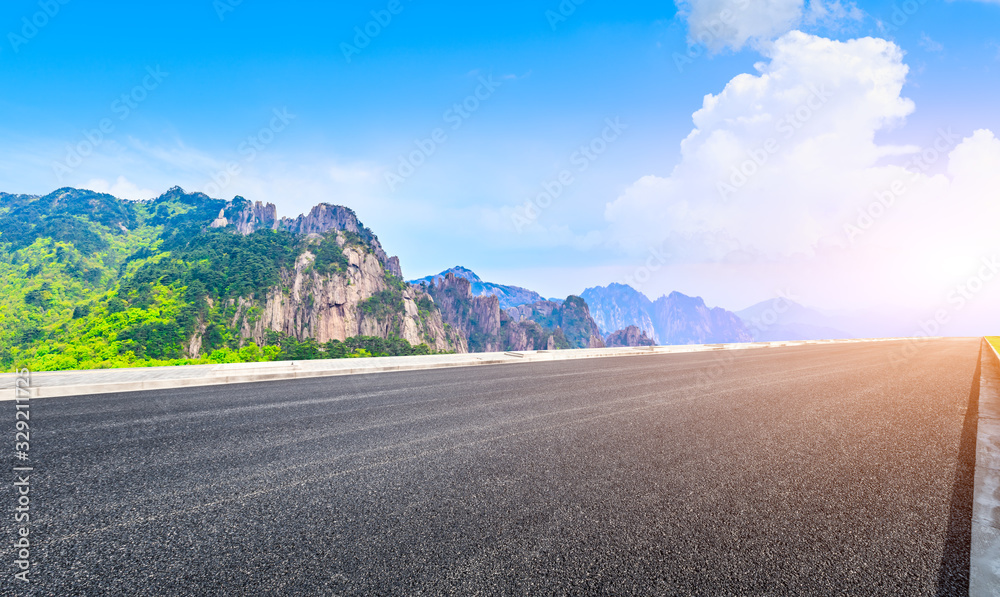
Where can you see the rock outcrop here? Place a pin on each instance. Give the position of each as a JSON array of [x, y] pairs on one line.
[[476, 318], [529, 335], [249, 217], [683, 319], [630, 336], [542, 325], [617, 306], [369, 298], [571, 317], [509, 296], [257, 216], [672, 319], [325, 217], [337, 306]]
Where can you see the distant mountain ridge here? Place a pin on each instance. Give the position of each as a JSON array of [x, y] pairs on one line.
[[784, 319], [509, 296], [617, 306], [671, 319], [541, 325]]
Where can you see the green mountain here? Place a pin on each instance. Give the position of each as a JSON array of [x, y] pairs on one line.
[[93, 281]]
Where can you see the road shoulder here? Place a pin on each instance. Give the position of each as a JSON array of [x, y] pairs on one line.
[[984, 572]]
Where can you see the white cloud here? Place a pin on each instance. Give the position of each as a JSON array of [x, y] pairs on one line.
[[718, 24], [929, 44], [121, 188], [815, 106], [780, 163], [294, 183], [833, 13]]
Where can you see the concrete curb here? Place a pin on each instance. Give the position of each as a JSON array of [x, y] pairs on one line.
[[78, 383], [984, 559]]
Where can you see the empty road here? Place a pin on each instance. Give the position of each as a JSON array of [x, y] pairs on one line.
[[811, 470]]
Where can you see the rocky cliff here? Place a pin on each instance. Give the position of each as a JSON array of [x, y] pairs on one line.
[[325, 217], [364, 295], [618, 306], [630, 336], [682, 319], [365, 299], [509, 296], [571, 317], [247, 218], [671, 319], [475, 318], [542, 325]]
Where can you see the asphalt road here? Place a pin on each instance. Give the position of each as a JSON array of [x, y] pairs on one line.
[[813, 470]]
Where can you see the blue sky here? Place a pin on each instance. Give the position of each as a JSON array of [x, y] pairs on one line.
[[225, 68]]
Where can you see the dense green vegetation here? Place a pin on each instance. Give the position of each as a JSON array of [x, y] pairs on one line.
[[387, 303], [329, 256], [218, 262], [358, 346], [91, 281]]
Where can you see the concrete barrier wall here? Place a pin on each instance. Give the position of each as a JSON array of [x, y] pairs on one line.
[[75, 383]]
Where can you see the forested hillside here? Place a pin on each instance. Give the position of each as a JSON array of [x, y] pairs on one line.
[[92, 281]]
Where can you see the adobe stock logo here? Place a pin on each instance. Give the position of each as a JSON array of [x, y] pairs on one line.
[[563, 12], [958, 299], [224, 7], [30, 26], [249, 148], [582, 159], [787, 127], [122, 107], [455, 116], [920, 164]]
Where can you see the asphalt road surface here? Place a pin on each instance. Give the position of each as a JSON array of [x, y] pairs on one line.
[[813, 470]]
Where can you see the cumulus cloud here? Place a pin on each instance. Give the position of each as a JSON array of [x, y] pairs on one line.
[[718, 24], [783, 166], [751, 161]]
